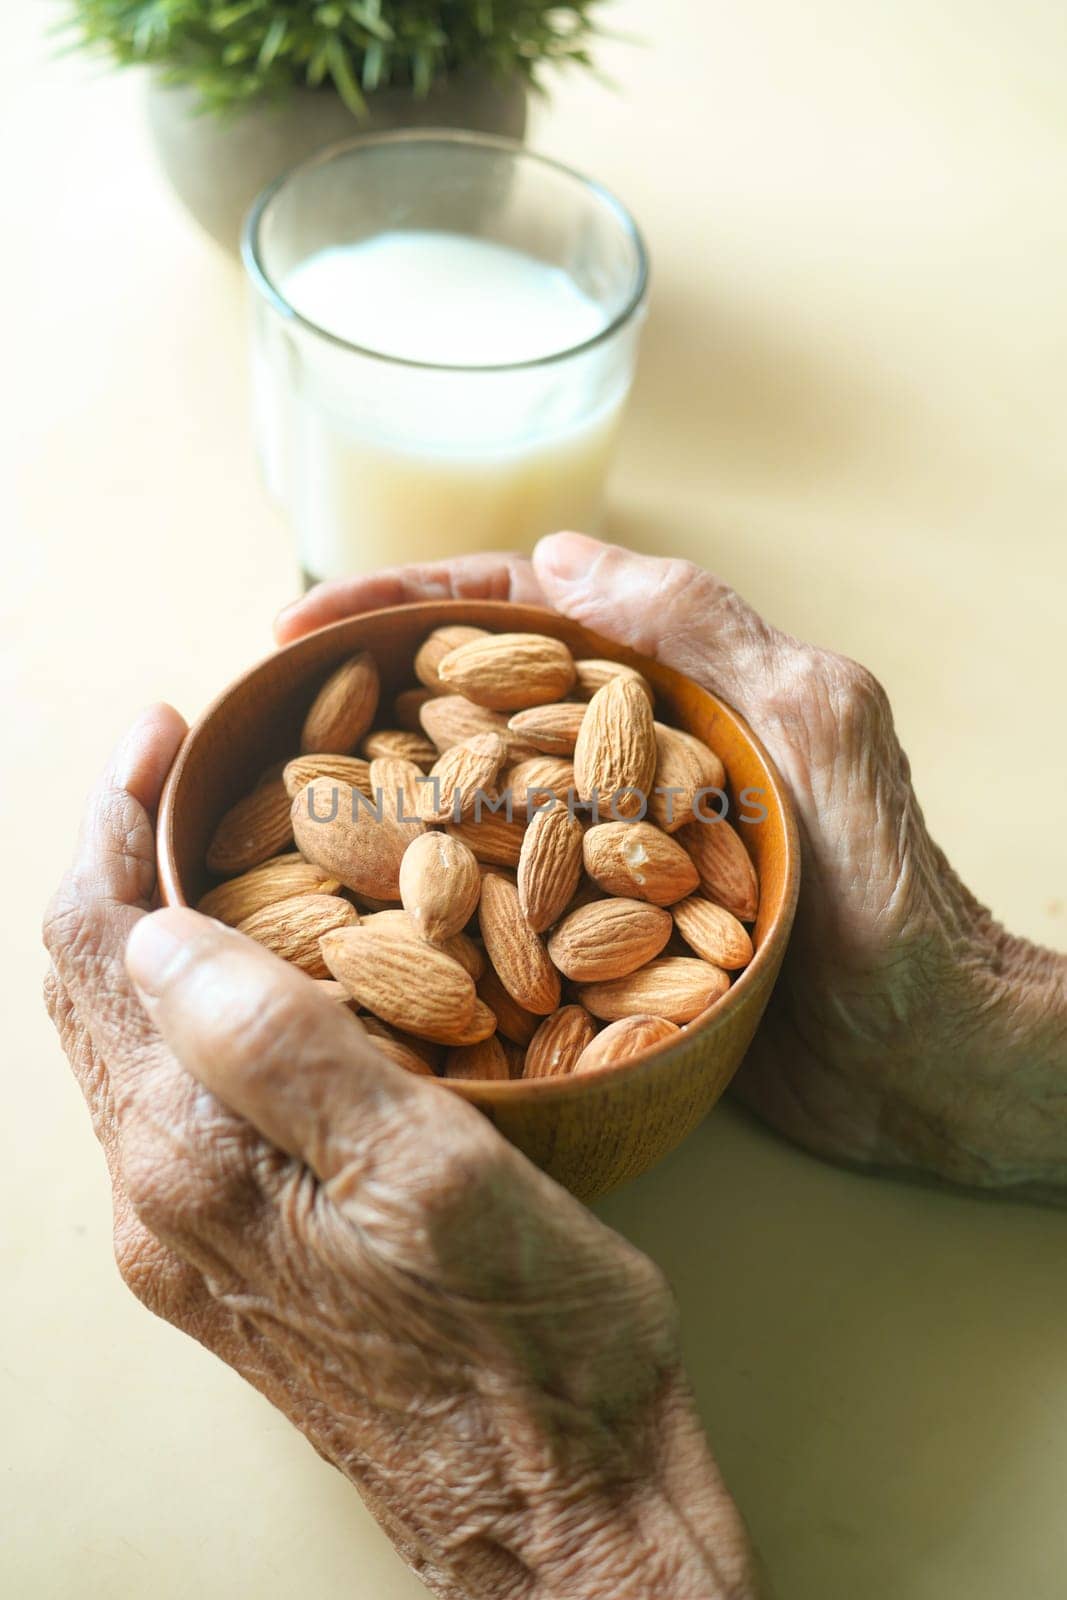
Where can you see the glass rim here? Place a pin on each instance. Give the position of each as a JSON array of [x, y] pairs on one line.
[[262, 281]]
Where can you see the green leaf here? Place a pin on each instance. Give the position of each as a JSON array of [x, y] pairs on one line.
[[342, 75], [373, 66], [232, 52], [318, 65], [273, 40], [221, 20], [368, 16]]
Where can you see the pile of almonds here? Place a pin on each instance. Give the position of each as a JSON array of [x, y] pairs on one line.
[[470, 942]]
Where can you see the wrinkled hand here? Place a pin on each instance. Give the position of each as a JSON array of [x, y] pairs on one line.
[[907, 1029], [496, 1371]]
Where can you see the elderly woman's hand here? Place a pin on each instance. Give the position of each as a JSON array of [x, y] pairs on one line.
[[496, 1371], [907, 1030]]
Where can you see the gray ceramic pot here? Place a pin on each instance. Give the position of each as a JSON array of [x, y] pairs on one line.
[[217, 166]]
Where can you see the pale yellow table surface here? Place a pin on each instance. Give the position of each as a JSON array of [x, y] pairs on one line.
[[852, 404]]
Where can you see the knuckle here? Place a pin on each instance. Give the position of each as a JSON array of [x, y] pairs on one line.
[[455, 1164], [56, 1000], [181, 1184], [702, 612], [158, 1280], [75, 931], [136, 1262], [129, 842], [858, 699], [271, 1023], [64, 920], [650, 1283], [816, 687]]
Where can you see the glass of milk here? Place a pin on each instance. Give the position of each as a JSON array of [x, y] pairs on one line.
[[445, 331]]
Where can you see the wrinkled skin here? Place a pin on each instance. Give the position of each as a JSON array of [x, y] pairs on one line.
[[907, 1030], [496, 1371]]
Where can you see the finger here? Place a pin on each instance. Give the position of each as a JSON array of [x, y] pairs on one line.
[[89, 1070], [666, 608], [113, 877], [485, 576], [253, 1030]]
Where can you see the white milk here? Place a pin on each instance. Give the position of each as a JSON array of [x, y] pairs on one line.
[[384, 461], [442, 298]]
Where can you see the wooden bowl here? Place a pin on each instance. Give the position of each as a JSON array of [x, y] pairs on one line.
[[596, 1130]]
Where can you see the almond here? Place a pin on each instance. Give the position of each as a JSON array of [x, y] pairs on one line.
[[470, 1062], [436, 646], [406, 708], [351, 770], [725, 871], [292, 928], [550, 865], [508, 671], [534, 782], [274, 880], [344, 707], [517, 953], [558, 1043], [591, 675], [478, 1026], [712, 771], [625, 1039], [608, 939], [513, 1020], [615, 753], [399, 743], [676, 988], [354, 840], [552, 729], [330, 989], [439, 885], [252, 831], [679, 774], [419, 1056], [713, 932], [415, 987], [459, 776], [636, 859], [491, 838], [460, 947], [450, 719], [398, 784]]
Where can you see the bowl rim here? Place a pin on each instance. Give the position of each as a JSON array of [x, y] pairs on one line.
[[516, 1091]]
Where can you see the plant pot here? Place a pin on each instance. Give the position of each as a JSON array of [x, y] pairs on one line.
[[217, 165]]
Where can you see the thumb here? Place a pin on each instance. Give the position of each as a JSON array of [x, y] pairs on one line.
[[666, 608], [256, 1032]]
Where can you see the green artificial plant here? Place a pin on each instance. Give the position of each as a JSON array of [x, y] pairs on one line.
[[234, 51]]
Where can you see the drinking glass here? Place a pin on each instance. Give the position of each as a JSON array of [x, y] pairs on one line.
[[383, 455]]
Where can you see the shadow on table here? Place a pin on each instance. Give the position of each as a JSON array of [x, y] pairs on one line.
[[752, 393], [880, 1367]]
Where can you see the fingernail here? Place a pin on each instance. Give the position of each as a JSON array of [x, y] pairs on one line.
[[566, 556], [285, 616], [156, 944]]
